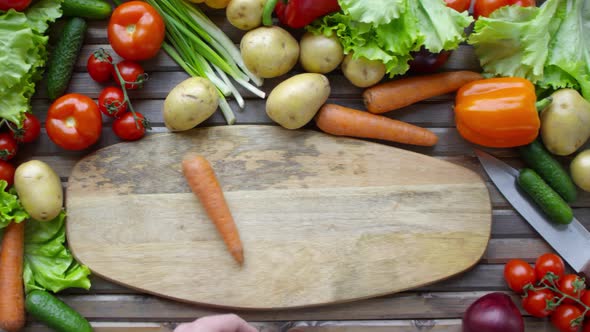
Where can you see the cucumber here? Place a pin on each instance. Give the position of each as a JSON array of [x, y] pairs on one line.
[[63, 58], [54, 313], [90, 9], [548, 200], [539, 159]]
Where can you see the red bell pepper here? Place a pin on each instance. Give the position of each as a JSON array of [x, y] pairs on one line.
[[298, 13]]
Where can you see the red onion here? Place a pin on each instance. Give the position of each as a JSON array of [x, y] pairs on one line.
[[494, 312]]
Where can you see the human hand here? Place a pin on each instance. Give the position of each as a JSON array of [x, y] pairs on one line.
[[217, 323]]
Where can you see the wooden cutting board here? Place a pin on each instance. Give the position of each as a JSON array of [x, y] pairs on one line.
[[323, 219]]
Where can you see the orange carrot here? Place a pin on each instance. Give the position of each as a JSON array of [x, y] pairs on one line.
[[343, 121], [12, 298], [400, 93], [203, 182]]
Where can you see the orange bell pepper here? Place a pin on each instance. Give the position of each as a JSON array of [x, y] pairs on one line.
[[497, 112]]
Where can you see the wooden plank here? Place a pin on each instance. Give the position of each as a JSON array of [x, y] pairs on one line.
[[463, 58], [399, 306], [432, 325], [450, 144], [425, 114], [34, 326]]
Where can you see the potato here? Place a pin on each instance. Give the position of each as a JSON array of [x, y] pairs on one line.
[[565, 123], [217, 4], [189, 103], [295, 101], [362, 72], [320, 54], [39, 190], [269, 51], [580, 170], [245, 14]]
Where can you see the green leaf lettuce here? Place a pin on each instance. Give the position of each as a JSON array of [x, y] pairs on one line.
[[23, 54], [10, 207], [549, 45], [49, 265], [388, 31]]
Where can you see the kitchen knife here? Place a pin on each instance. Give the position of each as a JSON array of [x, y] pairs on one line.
[[571, 241]]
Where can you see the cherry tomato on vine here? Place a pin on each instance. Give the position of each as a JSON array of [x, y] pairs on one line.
[[586, 300], [549, 263], [136, 31], [7, 172], [563, 317], [459, 5], [535, 303], [100, 66], [487, 7], [30, 131], [586, 327], [74, 122], [571, 285], [8, 146], [127, 128], [518, 274], [18, 5], [130, 72], [111, 102]]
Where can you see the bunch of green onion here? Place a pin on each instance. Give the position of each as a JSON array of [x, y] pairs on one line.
[[204, 50]]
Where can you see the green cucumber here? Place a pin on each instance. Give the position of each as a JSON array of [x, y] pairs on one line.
[[89, 9], [538, 158], [546, 198], [54, 313], [63, 58]]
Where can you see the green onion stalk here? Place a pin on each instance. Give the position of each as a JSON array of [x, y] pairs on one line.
[[202, 49]]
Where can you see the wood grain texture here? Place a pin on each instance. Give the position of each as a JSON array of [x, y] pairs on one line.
[[323, 219]]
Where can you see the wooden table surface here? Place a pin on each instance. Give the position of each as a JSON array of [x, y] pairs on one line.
[[437, 307]]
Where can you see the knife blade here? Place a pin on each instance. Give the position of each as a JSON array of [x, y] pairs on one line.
[[571, 241]]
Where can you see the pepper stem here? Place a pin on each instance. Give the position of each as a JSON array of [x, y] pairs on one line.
[[269, 7], [543, 103]]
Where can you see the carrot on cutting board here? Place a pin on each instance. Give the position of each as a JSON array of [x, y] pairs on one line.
[[12, 298], [203, 182], [343, 121], [400, 93]]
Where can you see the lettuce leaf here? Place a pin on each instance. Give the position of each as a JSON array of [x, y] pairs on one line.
[[49, 265], [549, 45], [389, 30], [23, 52], [10, 207]]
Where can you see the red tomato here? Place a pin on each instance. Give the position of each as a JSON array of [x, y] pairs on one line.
[[100, 66], [111, 102], [549, 263], [7, 173], [518, 274], [563, 317], [8, 146], [127, 128], [136, 30], [535, 303], [586, 300], [572, 285], [74, 122], [130, 72], [586, 327], [459, 5], [18, 5], [30, 131], [486, 7]]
